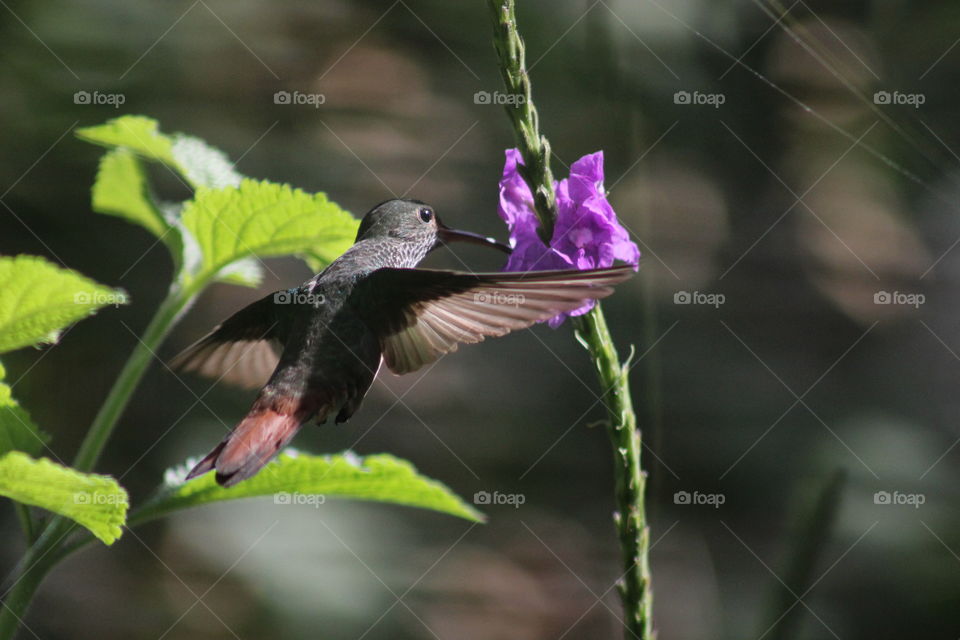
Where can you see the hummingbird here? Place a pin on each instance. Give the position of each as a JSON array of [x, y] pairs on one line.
[[315, 349]]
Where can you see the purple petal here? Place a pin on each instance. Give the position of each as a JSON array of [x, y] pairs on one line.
[[586, 178], [587, 234], [516, 200]]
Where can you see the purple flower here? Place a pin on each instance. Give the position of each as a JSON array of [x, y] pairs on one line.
[[586, 234]]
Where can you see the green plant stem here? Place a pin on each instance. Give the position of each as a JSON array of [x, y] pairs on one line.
[[534, 147], [630, 519], [135, 519], [33, 567], [113, 406], [44, 553], [26, 521]]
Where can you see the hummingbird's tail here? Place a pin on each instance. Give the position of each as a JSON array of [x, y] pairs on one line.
[[266, 429]]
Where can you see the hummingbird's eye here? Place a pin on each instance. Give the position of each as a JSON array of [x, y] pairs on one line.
[[426, 214]]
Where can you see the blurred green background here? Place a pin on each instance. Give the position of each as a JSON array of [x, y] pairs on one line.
[[801, 198]]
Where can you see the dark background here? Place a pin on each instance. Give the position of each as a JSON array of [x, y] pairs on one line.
[[797, 216]]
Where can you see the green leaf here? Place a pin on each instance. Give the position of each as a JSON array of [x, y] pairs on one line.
[[231, 218], [203, 165], [199, 163], [121, 190], [262, 219], [137, 133], [246, 272], [94, 501], [301, 478], [38, 299], [18, 432]]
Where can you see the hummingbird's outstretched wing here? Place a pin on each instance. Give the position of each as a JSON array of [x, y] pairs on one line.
[[421, 314], [243, 350]]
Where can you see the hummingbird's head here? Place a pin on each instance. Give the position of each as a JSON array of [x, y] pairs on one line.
[[416, 224]]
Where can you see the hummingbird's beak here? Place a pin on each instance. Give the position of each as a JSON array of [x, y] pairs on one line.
[[446, 235]]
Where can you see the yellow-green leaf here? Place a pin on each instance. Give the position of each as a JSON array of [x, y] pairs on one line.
[[18, 432], [137, 133], [230, 218], [263, 219], [199, 163], [298, 478], [203, 165], [121, 190], [94, 501], [39, 299]]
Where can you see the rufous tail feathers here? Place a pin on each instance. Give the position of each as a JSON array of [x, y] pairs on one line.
[[266, 429]]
